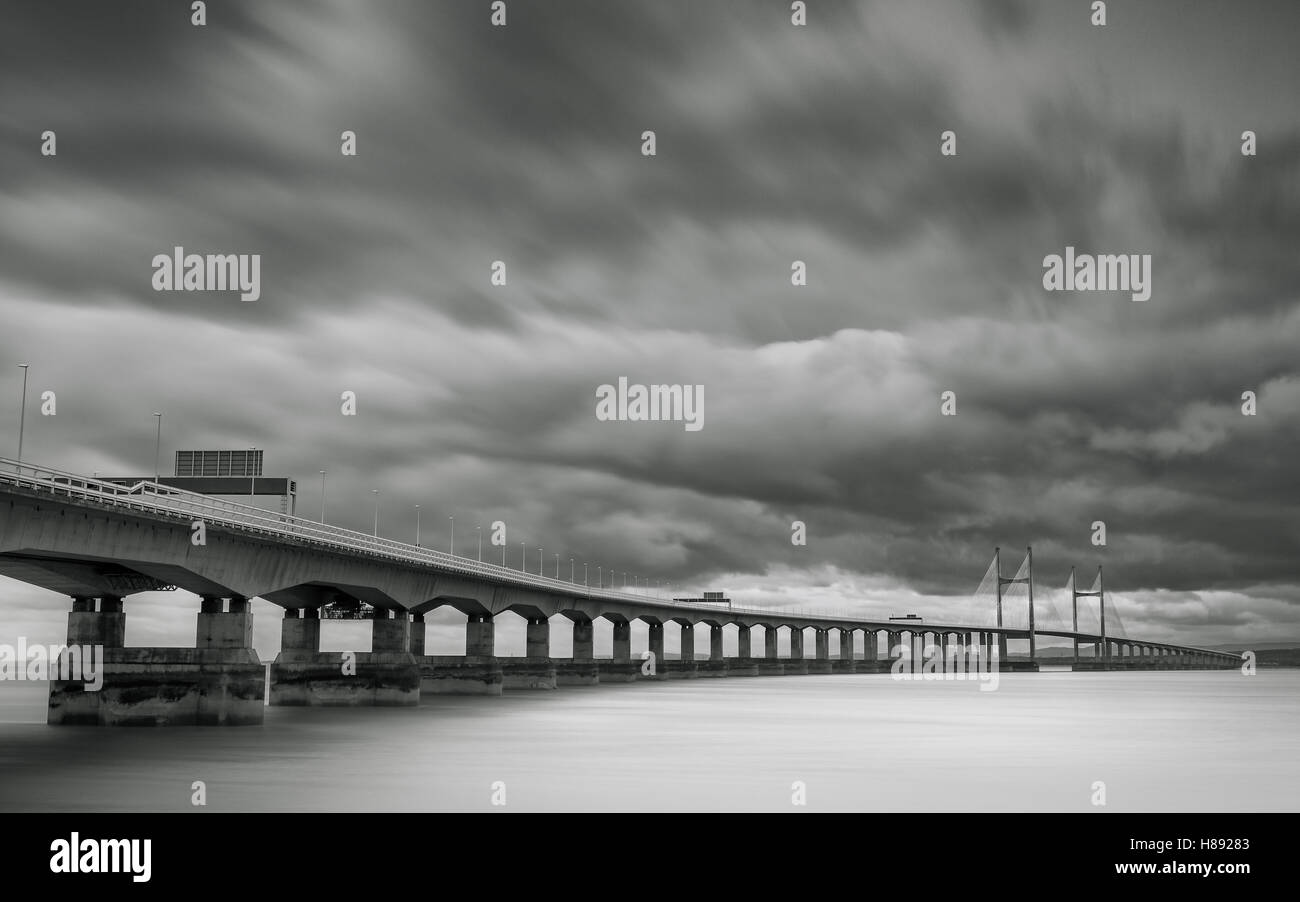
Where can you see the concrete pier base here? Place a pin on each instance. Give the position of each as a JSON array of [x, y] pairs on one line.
[[329, 679], [842, 666], [527, 673], [743, 667], [460, 675], [769, 667], [679, 670], [711, 668], [821, 666], [875, 666], [1017, 667], [576, 672], [612, 671], [795, 666], [166, 687]]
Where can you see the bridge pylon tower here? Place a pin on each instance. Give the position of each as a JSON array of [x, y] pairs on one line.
[[1028, 579], [1100, 594]]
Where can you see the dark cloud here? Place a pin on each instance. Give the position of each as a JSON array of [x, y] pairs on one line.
[[775, 143]]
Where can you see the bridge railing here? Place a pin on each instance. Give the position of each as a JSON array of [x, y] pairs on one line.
[[152, 497]]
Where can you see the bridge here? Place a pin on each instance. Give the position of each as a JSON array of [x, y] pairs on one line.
[[99, 542]]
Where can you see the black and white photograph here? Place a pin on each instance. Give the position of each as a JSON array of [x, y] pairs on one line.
[[458, 408]]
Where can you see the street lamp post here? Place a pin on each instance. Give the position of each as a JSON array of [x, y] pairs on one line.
[[322, 496], [417, 526], [157, 450], [523, 557], [252, 466], [600, 576], [539, 560], [584, 573], [453, 534], [557, 565], [375, 492], [571, 579], [480, 543], [22, 417]]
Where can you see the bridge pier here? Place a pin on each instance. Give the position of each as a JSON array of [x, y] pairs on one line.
[[743, 664], [219, 682], [417, 635], [620, 668], [847, 662], [716, 665], [871, 659], [770, 665], [581, 669], [795, 664], [655, 645], [468, 674], [821, 662], [387, 675], [684, 667], [536, 669]]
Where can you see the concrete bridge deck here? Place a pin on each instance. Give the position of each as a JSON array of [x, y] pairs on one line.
[[100, 542]]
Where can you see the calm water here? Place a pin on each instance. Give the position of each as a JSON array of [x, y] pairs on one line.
[[1160, 742]]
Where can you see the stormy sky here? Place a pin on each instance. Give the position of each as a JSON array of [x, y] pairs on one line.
[[775, 143]]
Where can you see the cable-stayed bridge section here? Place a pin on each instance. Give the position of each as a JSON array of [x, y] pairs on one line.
[[99, 542]]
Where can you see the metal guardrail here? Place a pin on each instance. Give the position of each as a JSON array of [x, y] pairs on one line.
[[151, 497]]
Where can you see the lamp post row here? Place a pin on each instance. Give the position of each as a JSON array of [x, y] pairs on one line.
[[252, 492]]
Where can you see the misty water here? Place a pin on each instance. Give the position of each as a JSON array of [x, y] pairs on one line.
[[1160, 741]]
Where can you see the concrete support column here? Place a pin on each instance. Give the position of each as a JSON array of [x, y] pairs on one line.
[[298, 633], [822, 644], [389, 633], [715, 642], [847, 651], [106, 627], [1002, 647], [584, 633], [657, 644], [742, 641], [417, 634], [769, 643], [870, 645], [687, 652], [480, 636], [216, 629], [622, 641], [219, 682], [539, 639], [796, 644]]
